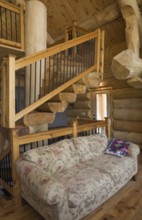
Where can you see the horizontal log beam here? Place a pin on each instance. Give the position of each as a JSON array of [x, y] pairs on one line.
[[128, 114], [129, 126], [128, 103], [128, 136], [126, 93], [38, 118]]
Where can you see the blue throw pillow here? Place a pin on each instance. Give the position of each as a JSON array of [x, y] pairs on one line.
[[117, 147]]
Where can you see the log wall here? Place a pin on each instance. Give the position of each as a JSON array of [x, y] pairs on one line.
[[126, 102]]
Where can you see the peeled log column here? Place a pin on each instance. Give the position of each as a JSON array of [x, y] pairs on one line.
[[126, 65], [132, 17]]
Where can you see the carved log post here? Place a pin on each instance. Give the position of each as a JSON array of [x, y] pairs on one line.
[[127, 64]]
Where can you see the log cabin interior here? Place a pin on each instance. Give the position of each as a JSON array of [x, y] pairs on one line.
[[65, 66]]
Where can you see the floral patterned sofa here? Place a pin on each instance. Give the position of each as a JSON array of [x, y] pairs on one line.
[[71, 178]]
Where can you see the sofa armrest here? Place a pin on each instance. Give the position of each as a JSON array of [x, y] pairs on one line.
[[44, 185], [134, 150]]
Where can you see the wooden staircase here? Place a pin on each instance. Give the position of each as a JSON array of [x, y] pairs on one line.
[[62, 66], [54, 80]]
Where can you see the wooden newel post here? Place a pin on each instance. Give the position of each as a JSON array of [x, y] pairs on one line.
[[107, 122], [4, 93], [22, 27], [10, 75], [75, 133], [66, 33], [15, 156], [97, 50]]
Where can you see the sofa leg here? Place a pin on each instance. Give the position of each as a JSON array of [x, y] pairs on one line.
[[134, 178]]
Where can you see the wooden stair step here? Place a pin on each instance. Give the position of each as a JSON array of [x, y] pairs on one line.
[[77, 88], [38, 118], [79, 113], [65, 97], [92, 80], [84, 97], [53, 107]]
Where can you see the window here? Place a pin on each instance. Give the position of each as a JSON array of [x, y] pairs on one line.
[[101, 103]]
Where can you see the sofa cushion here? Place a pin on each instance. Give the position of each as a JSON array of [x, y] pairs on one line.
[[89, 184], [89, 146], [117, 147], [55, 157]]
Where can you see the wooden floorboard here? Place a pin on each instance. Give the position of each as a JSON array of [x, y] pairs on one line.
[[124, 205]]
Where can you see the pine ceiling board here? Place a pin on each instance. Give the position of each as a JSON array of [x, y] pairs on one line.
[[68, 9], [56, 18], [104, 3], [76, 6]]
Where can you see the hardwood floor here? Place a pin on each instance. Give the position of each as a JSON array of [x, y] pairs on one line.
[[124, 205]]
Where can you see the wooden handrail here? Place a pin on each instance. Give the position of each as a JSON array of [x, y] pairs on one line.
[[4, 153], [52, 94], [18, 10], [56, 49], [9, 6], [58, 132]]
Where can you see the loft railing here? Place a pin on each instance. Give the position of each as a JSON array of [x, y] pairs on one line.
[[11, 25], [51, 70], [74, 31]]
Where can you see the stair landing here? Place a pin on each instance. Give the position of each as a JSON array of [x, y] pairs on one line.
[[6, 50]]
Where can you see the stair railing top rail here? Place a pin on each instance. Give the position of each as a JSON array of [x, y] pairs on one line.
[[12, 25], [22, 62], [57, 66]]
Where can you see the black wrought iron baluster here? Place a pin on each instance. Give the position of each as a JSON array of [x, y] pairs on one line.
[[16, 31], [5, 23], [40, 76], [52, 73], [11, 36], [18, 92], [57, 72], [48, 74], [61, 71], [30, 83], [94, 53], [51, 63], [35, 82], [67, 66], [24, 93], [44, 76], [8, 166]]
